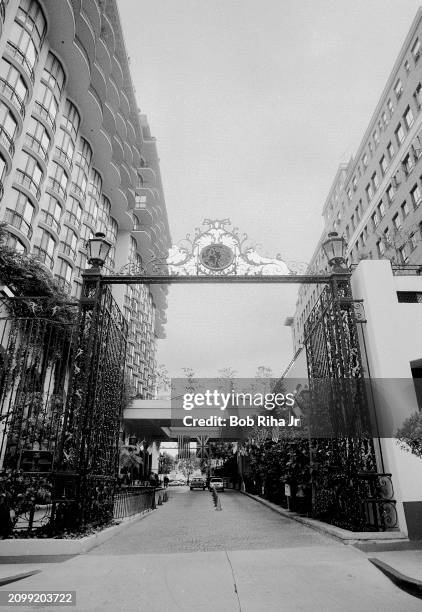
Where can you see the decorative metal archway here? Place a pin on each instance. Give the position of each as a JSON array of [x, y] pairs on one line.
[[85, 458]]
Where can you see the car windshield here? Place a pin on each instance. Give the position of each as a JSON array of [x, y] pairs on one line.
[[216, 480]]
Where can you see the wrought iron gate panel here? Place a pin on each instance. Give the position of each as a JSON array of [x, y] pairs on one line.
[[342, 449]]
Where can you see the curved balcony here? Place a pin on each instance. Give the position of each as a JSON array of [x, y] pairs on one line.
[[68, 250], [124, 103], [117, 71], [26, 181], [48, 219], [125, 175], [113, 94], [121, 125], [45, 114], [17, 221], [9, 92], [77, 191], [41, 255], [99, 80], [118, 150], [61, 156], [128, 154], [3, 9], [6, 141], [72, 220], [93, 14], [92, 91], [86, 35], [148, 175], [103, 56], [37, 147], [57, 187], [21, 58]]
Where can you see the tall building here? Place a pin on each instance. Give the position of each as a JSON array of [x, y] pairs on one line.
[[77, 156], [375, 199]]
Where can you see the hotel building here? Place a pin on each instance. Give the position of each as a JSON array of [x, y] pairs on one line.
[[77, 156], [375, 199]]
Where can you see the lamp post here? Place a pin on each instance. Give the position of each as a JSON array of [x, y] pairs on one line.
[[334, 249]]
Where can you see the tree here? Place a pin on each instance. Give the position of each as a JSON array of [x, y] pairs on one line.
[[188, 465], [410, 435], [167, 463]]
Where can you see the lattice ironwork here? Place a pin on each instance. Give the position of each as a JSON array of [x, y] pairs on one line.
[[343, 459]]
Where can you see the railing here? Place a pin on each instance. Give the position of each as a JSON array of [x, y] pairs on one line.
[[72, 219], [56, 186], [133, 501], [64, 284], [64, 157], [50, 220], [27, 181], [45, 113], [68, 249], [77, 190], [36, 146], [42, 256], [406, 270], [10, 92], [17, 220], [16, 52], [7, 141]]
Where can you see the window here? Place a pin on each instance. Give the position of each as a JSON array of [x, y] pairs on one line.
[[65, 148], [71, 119], [354, 183], [390, 107], [375, 219], [352, 222], [375, 181], [380, 248], [365, 160], [418, 96], [408, 163], [81, 263], [390, 150], [29, 174], [398, 89], [405, 209], [376, 138], [384, 119], [397, 221], [362, 240], [399, 132], [407, 66], [413, 241], [347, 232], [64, 274], [69, 243], [369, 192], [387, 235], [47, 105], [357, 214], [381, 209], [13, 86], [58, 179], [52, 212], [53, 75], [370, 148], [74, 211], [383, 165], [349, 194], [3, 167], [8, 128], [44, 248], [20, 212], [390, 193], [404, 253], [416, 50], [415, 194], [408, 117], [14, 243], [84, 156], [22, 47], [38, 139], [80, 183]]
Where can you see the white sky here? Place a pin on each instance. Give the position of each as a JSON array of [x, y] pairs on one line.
[[254, 105]]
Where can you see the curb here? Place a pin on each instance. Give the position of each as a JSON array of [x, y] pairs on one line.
[[345, 536], [15, 547], [406, 583], [16, 577]]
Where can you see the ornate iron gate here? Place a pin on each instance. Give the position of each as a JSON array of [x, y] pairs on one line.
[[347, 489]]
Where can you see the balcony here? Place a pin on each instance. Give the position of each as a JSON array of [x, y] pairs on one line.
[[10, 93], [45, 114], [57, 187], [42, 256], [51, 221], [28, 182], [77, 190], [21, 58], [73, 220], [68, 250], [64, 158], [17, 221], [7, 141], [36, 146]]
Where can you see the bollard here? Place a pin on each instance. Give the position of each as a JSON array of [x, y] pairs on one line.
[[218, 505]]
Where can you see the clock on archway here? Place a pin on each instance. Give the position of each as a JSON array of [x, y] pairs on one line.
[[216, 256]]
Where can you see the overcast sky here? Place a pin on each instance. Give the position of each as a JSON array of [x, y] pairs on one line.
[[254, 105]]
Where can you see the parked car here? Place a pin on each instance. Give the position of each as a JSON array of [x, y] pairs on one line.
[[217, 483], [197, 483]]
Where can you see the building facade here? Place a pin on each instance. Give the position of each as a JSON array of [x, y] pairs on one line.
[[77, 157], [375, 199]]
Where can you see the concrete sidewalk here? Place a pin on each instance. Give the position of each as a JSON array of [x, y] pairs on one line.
[[318, 578]]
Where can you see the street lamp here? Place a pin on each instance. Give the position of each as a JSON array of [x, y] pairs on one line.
[[335, 250], [98, 249]]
